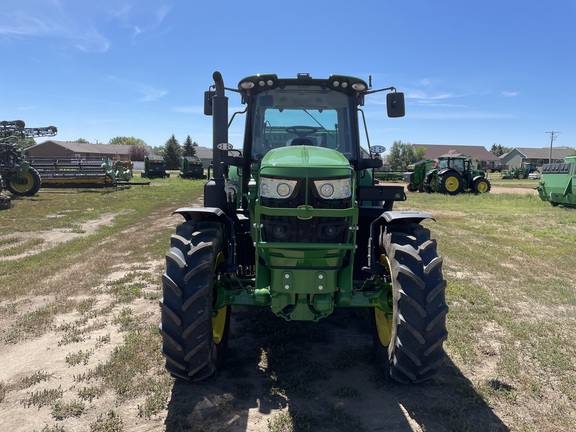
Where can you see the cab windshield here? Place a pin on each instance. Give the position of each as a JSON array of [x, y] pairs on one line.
[[295, 115]]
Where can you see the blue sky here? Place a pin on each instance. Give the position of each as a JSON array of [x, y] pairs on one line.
[[474, 72]]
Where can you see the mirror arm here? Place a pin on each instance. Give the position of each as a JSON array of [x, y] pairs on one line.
[[365, 127], [380, 90]]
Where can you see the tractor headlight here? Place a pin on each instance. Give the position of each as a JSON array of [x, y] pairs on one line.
[[334, 189], [277, 188]]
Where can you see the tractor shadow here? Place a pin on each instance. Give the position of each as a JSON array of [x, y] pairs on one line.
[[300, 376]]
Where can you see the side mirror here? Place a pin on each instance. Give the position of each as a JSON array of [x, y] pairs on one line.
[[395, 104], [208, 95]]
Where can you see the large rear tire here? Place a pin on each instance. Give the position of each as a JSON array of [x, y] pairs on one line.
[[409, 343], [195, 337], [450, 183], [25, 183]]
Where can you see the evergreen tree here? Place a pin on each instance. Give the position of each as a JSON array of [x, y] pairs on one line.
[[171, 153], [190, 147]]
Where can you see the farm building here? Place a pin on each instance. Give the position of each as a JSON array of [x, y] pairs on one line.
[[483, 157], [539, 156], [69, 149]]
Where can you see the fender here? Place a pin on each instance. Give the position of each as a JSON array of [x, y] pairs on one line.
[[386, 218], [218, 215], [444, 170], [202, 213]]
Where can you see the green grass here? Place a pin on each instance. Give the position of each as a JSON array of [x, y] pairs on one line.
[[508, 260]]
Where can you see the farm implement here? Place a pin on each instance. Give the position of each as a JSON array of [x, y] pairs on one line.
[[191, 167], [16, 175], [557, 184], [72, 172], [83, 172]]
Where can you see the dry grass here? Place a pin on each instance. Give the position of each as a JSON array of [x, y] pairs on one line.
[[83, 306]]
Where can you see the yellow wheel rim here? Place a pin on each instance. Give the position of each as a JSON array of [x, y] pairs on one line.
[[24, 182], [219, 320], [482, 187], [383, 323], [383, 327], [452, 184], [219, 324]]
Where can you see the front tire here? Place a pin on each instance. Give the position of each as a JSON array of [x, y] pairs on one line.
[[408, 344], [481, 185], [24, 183], [195, 337]]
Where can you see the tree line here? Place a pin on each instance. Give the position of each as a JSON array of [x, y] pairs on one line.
[[171, 152]]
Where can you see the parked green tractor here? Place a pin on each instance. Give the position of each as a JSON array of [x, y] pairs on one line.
[[519, 173], [191, 167], [154, 167], [295, 223], [453, 175], [416, 174], [557, 183]]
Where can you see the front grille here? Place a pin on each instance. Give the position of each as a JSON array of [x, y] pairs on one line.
[[314, 230]]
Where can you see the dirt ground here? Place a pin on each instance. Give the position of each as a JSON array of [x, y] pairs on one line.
[[248, 395]]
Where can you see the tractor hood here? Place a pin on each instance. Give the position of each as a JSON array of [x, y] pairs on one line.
[[305, 161]]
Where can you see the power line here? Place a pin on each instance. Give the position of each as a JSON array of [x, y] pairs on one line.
[[552, 138]]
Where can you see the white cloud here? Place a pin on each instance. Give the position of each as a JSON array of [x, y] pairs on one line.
[[149, 93], [191, 109], [509, 93]]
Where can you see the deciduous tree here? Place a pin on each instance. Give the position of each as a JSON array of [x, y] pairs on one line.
[[401, 155], [131, 141]]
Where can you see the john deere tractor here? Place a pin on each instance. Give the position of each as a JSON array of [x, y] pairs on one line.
[[520, 172], [453, 175], [16, 174], [294, 222]]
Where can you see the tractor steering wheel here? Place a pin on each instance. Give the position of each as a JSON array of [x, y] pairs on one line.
[[301, 131]]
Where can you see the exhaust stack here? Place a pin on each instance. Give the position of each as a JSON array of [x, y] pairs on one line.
[[214, 195]]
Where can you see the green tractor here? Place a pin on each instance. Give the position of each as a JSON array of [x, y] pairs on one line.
[[453, 175], [416, 174], [191, 167], [295, 222], [16, 174], [520, 173], [557, 183], [154, 167]]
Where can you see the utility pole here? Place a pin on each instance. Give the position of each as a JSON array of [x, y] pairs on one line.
[[552, 138]]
